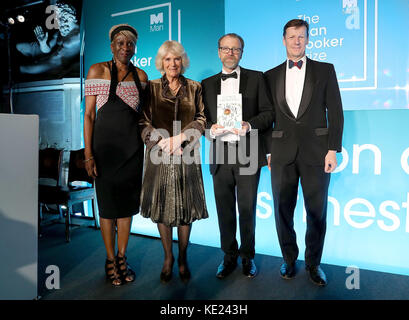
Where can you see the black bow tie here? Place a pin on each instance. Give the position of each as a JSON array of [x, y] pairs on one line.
[[298, 64], [229, 75]]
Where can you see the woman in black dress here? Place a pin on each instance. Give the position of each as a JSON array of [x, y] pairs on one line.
[[172, 122], [113, 147]]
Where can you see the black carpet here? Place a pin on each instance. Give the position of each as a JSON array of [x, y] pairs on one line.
[[81, 266]]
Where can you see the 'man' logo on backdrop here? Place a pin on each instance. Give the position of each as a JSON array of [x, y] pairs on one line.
[[350, 8], [349, 3], [156, 22]]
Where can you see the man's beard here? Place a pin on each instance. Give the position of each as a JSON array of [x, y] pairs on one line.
[[230, 63]]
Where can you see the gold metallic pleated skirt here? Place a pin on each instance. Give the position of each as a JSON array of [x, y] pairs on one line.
[[172, 192]]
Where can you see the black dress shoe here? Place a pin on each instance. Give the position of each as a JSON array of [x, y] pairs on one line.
[[165, 277], [287, 271], [317, 276], [225, 269], [249, 268], [185, 274]]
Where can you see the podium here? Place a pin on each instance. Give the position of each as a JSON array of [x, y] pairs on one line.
[[18, 206]]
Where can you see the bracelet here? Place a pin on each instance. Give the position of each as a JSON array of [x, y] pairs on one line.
[[86, 160]]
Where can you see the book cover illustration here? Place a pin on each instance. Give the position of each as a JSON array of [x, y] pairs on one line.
[[229, 110]]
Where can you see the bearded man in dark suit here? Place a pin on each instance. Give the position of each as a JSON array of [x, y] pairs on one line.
[[235, 180]]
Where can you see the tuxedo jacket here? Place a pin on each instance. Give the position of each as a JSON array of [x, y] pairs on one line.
[[318, 125], [257, 110]]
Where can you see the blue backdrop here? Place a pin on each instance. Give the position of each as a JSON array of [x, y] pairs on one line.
[[362, 38], [368, 213]]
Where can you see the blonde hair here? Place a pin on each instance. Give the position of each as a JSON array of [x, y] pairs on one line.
[[173, 47], [128, 34]]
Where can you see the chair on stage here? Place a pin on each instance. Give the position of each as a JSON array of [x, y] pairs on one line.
[[49, 166], [64, 182]]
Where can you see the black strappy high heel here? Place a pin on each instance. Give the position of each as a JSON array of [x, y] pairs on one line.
[[125, 269], [112, 273]]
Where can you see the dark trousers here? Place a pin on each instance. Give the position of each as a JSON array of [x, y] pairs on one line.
[[231, 187], [314, 184]]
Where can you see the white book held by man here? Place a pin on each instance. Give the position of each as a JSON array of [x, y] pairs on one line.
[[229, 111]]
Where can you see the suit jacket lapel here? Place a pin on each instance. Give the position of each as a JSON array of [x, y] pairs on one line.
[[216, 154], [282, 102], [243, 90], [216, 87], [308, 89], [217, 83], [243, 81]]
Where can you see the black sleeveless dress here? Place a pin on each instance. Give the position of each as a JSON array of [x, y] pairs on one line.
[[118, 151]]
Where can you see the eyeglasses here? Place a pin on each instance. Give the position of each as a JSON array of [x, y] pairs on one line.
[[227, 50]]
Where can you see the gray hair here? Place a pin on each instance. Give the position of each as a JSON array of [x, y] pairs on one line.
[[174, 47]]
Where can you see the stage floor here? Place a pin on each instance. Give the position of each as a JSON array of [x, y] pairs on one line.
[[81, 266]]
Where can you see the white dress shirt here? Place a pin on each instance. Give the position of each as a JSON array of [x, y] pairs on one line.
[[230, 85], [294, 84]]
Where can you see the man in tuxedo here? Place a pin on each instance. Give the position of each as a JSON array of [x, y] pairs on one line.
[[307, 133], [233, 178]]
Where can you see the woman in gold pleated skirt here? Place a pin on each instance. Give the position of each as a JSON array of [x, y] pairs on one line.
[[173, 122]]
